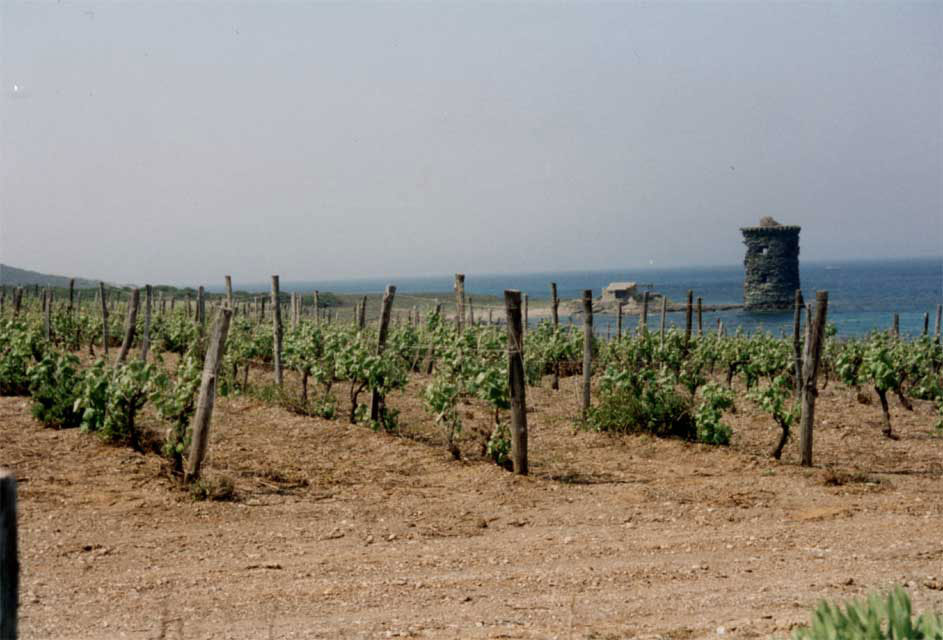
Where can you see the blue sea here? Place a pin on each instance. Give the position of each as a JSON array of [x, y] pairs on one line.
[[863, 295]]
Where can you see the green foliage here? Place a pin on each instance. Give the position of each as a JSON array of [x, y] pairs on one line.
[[54, 384], [175, 401], [92, 396], [777, 400], [710, 427], [499, 446], [441, 399], [642, 402], [110, 399], [20, 345], [174, 332], [877, 618]]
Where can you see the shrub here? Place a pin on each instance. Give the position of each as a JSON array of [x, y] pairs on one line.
[[642, 403]]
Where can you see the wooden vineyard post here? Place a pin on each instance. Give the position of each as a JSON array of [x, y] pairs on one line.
[[664, 312], [71, 295], [104, 303], [490, 316], [363, 314], [516, 387], [460, 301], [939, 317], [700, 316], [688, 311], [200, 426], [471, 312], [229, 291], [810, 371], [201, 306], [317, 307], [797, 339], [643, 317], [926, 323], [130, 325], [555, 311], [47, 313], [895, 325], [277, 331], [619, 322], [9, 557], [3, 298], [526, 313], [146, 338], [587, 350], [377, 400]]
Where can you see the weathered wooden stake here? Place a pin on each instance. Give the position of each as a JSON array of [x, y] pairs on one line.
[[363, 314], [619, 322], [146, 338], [9, 557], [377, 401], [587, 350], [664, 313], [471, 312], [130, 326], [229, 291], [104, 303], [200, 426], [201, 306], [810, 371], [939, 316], [797, 339], [895, 325], [512, 306], [554, 309], [277, 331], [47, 313], [688, 311], [71, 294], [526, 312], [700, 316], [460, 301], [926, 323], [317, 307], [643, 317]]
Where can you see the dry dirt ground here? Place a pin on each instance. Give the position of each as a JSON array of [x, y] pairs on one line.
[[336, 531]]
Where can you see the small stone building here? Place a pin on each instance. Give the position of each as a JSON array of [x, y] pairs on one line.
[[620, 292], [771, 265]]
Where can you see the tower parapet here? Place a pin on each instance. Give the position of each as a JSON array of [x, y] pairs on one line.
[[771, 265]]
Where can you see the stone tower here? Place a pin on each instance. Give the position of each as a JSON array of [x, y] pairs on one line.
[[771, 265]]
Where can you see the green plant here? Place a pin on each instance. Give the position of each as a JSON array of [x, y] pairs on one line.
[[499, 446], [175, 401], [20, 345], [54, 385], [708, 418], [642, 402], [441, 398], [110, 399], [877, 618], [777, 400]]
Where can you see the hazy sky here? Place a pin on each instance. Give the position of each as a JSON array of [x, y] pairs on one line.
[[168, 142]]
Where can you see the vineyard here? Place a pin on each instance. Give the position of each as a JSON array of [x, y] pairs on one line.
[[319, 416]]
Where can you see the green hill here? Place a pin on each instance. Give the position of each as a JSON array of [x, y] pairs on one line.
[[11, 276]]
